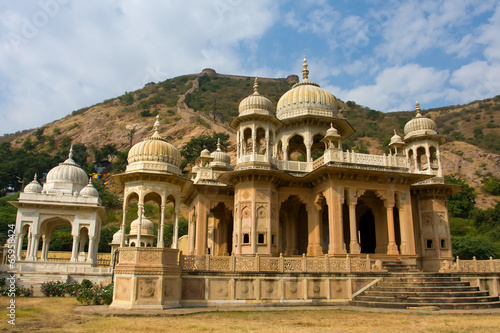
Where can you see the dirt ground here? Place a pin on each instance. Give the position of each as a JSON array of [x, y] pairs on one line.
[[42, 314]]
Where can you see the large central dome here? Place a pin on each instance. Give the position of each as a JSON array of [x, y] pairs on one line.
[[306, 98]]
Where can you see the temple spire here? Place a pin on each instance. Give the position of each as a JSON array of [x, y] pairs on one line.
[[305, 71], [218, 139], [256, 86], [417, 109]]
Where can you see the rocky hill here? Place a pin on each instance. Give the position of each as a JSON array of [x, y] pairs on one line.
[[204, 103]]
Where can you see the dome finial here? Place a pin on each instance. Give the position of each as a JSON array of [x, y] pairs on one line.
[[218, 141], [417, 109], [156, 126], [395, 132], [34, 178], [70, 155], [305, 71], [256, 86]]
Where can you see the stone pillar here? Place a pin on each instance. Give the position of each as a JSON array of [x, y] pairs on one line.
[[285, 151], [308, 151], [29, 249], [20, 239], [175, 241], [92, 253], [392, 247], [354, 243], [191, 234], [160, 242], [438, 157], [201, 229], [268, 147], [122, 227], [44, 248], [237, 227], [335, 221], [314, 247], [254, 143], [74, 253], [140, 209], [253, 230]]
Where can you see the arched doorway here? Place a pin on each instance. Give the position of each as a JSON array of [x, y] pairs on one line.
[[293, 226], [367, 232]]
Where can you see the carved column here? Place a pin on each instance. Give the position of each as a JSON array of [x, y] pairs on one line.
[[44, 248], [175, 241], [335, 222], [191, 233], [354, 243], [160, 242], [308, 151], [314, 247], [36, 240], [140, 209], [20, 239], [403, 223], [122, 227], [201, 228], [92, 253], [392, 247], [438, 157], [74, 253]]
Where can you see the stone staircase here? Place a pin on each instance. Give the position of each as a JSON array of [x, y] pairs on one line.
[[447, 292]]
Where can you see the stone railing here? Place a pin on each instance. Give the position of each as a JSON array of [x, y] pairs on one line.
[[280, 264], [471, 266], [295, 166]]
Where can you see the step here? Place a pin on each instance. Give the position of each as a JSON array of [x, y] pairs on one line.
[[427, 300], [423, 284], [376, 293], [424, 289], [422, 279], [442, 306]]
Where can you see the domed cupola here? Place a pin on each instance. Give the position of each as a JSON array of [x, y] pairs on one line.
[[146, 226], [221, 159], [419, 126], [33, 187], [154, 154], [67, 177], [89, 190], [306, 98], [396, 139], [256, 103]]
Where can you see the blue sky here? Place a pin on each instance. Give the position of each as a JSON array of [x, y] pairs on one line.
[[57, 56]]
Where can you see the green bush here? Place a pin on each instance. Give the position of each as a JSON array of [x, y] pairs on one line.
[[54, 288], [19, 291], [96, 295], [87, 283]]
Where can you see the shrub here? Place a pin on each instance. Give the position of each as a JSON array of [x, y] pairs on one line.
[[87, 284], [54, 289], [95, 295], [18, 291]]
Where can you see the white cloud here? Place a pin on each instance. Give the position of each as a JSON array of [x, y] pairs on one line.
[[87, 52], [396, 88]]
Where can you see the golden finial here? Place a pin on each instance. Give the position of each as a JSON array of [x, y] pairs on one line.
[[305, 72], [156, 126], [255, 86], [417, 109]]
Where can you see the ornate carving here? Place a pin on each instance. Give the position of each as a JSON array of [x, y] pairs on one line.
[[147, 288]]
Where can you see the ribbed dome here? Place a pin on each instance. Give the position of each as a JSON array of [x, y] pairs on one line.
[[153, 152], [396, 139], [66, 176], [117, 237], [255, 103], [205, 153], [146, 227], [220, 158], [306, 98], [419, 125], [332, 131], [89, 190], [33, 187]]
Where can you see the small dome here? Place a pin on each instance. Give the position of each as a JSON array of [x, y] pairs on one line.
[[89, 190], [33, 187], [419, 125], [396, 139], [205, 153], [332, 131], [306, 98], [67, 176], [117, 237], [255, 103], [155, 152], [146, 227], [220, 158]]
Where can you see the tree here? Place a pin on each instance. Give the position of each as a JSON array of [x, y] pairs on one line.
[[491, 185], [192, 150], [461, 204], [466, 247], [169, 231]]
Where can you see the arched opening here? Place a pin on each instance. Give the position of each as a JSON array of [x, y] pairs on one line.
[[293, 225], [260, 141], [367, 232], [318, 147], [57, 241], [346, 227], [279, 150], [397, 227], [247, 141], [297, 149], [372, 223], [411, 160], [433, 163], [220, 230], [422, 159]]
